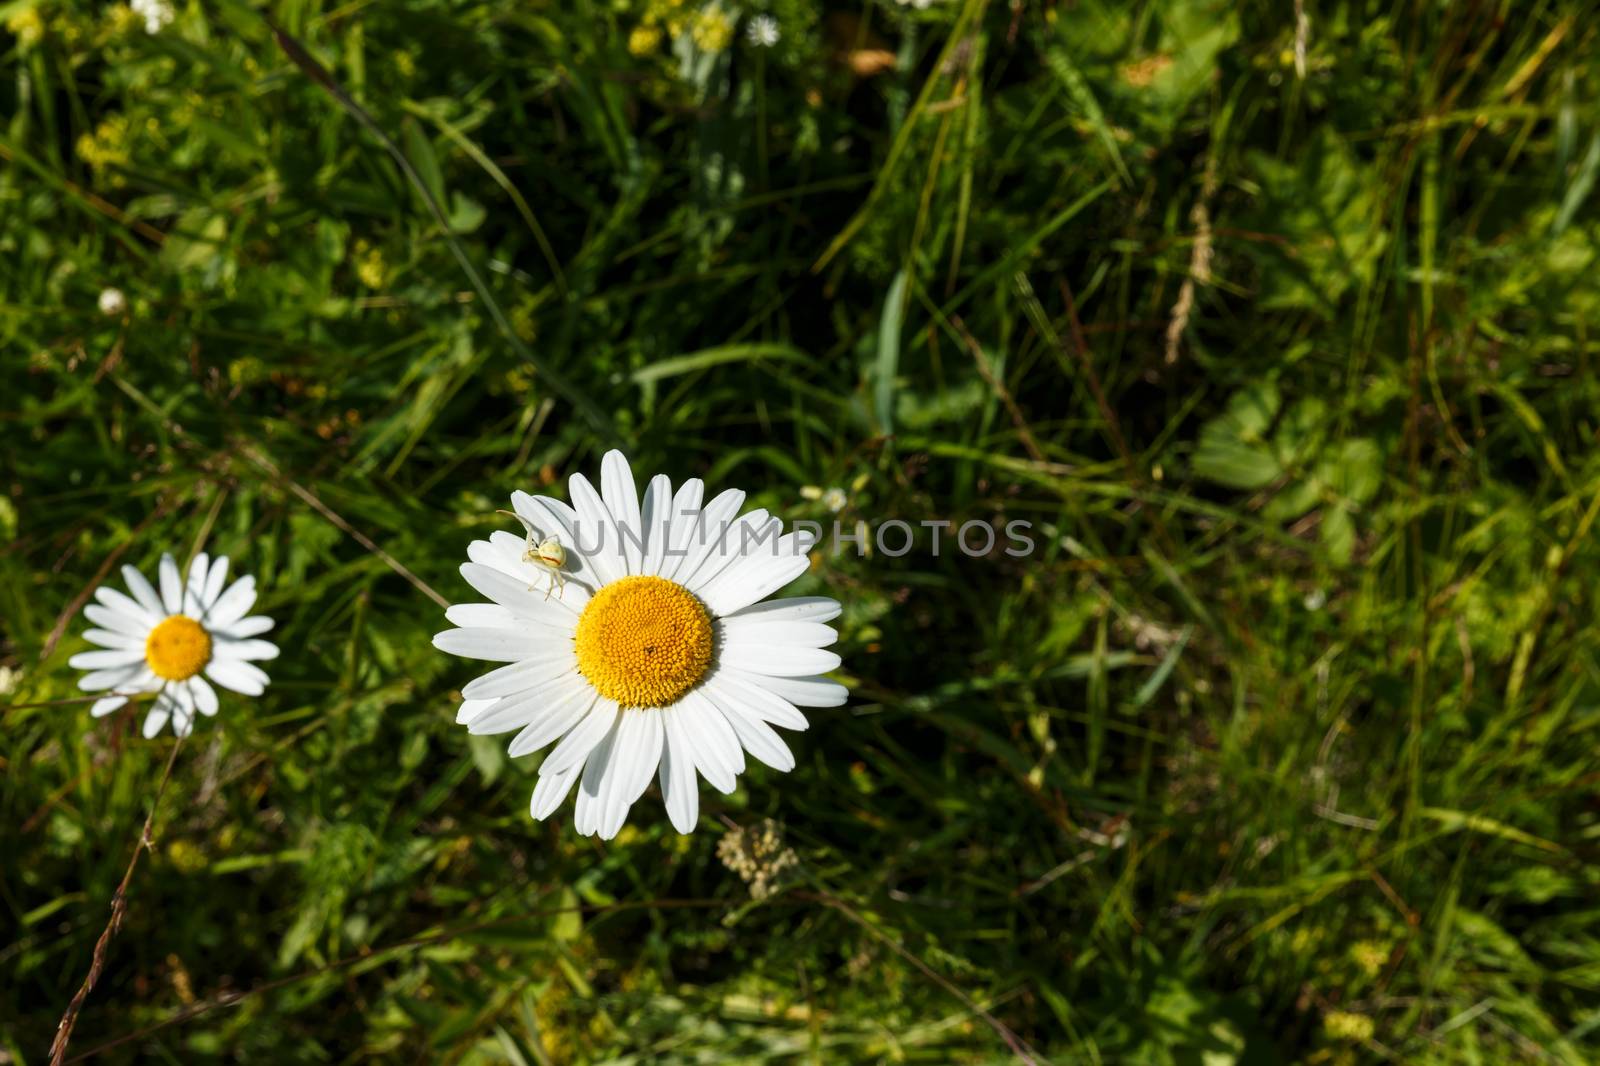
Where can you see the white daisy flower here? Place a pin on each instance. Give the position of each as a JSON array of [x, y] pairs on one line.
[[638, 643], [763, 31], [112, 302], [163, 642]]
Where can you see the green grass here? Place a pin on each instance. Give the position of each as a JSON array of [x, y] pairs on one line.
[[1283, 746]]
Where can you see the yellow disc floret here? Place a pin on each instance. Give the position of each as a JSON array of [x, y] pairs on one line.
[[177, 648], [644, 641]]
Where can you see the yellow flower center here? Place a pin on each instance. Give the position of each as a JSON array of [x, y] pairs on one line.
[[177, 648], [644, 641]]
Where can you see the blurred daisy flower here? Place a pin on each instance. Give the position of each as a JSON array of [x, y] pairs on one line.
[[763, 31], [640, 642], [112, 302], [157, 14], [163, 642], [833, 498]]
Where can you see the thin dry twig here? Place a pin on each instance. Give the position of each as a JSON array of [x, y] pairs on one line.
[[231, 999], [119, 908], [1080, 350], [1199, 260], [355, 534], [1018, 1046], [68, 700], [1000, 389], [58, 630]]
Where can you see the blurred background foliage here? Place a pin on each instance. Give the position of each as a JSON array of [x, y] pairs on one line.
[[1274, 319]]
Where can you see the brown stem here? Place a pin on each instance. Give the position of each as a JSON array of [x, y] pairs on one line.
[[119, 907]]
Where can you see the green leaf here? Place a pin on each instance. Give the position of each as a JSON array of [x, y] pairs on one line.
[[1338, 534], [894, 310], [1231, 450]]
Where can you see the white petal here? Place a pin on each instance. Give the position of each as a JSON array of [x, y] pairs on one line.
[[755, 577], [595, 537], [105, 706], [800, 691], [168, 705], [568, 587], [778, 660], [702, 533], [586, 816], [502, 554], [764, 704], [514, 712], [576, 746], [655, 519], [635, 754], [120, 613], [550, 791], [113, 678], [255, 625], [679, 789], [233, 604], [794, 634], [215, 578], [757, 736], [144, 593], [792, 609], [171, 586], [195, 587], [205, 697], [497, 645], [749, 534], [520, 677], [470, 709], [621, 498], [108, 638], [257, 650], [566, 711], [480, 616], [717, 753], [155, 720], [183, 707], [237, 676], [105, 660], [552, 518], [685, 516], [556, 610]]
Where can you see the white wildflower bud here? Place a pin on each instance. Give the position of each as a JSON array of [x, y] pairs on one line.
[[763, 31]]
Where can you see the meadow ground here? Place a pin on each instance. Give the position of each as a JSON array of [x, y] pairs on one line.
[[1276, 321]]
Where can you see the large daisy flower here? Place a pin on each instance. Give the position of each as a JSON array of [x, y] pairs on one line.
[[638, 643], [163, 642]]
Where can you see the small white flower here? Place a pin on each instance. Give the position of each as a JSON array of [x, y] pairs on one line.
[[763, 31], [834, 498], [162, 642], [637, 642], [157, 14], [920, 5], [9, 679], [112, 302]]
